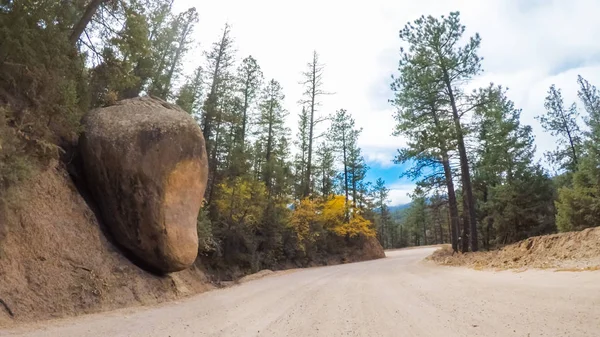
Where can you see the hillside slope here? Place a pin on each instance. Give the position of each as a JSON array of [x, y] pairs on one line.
[[56, 261]]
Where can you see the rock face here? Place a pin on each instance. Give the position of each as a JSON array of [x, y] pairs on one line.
[[145, 163]]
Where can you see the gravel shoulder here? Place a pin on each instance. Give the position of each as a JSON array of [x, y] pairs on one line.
[[399, 295]]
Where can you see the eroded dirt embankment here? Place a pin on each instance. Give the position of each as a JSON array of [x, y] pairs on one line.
[[55, 260], [564, 251]]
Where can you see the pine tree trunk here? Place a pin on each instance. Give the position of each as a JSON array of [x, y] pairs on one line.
[[424, 234], [464, 168], [269, 150], [451, 228], [345, 165], [311, 127], [392, 237], [211, 106], [212, 164], [487, 234], [437, 232], [572, 144], [465, 230], [245, 114], [452, 203], [441, 229], [354, 186], [79, 27], [178, 53], [401, 239]]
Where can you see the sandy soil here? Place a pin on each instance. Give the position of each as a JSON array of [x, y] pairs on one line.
[[398, 296], [564, 251]]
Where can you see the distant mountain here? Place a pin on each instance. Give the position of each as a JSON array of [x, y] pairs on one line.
[[399, 207]]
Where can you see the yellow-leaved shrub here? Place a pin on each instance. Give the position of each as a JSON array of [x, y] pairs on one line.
[[333, 214]]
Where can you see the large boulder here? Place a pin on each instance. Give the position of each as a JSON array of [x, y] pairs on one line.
[[145, 163]]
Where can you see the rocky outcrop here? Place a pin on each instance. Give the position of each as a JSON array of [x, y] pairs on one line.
[[146, 165]]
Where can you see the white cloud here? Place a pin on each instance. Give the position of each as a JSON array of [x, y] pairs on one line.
[[382, 156], [399, 193], [526, 45]]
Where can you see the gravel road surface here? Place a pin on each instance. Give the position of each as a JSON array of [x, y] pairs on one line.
[[400, 295]]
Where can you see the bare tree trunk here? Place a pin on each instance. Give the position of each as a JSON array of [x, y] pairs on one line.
[[311, 126]]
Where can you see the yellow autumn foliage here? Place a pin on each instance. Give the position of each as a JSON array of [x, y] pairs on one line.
[[331, 214], [334, 211], [241, 202], [343, 220], [304, 220]]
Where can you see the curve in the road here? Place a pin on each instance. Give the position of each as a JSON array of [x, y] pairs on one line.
[[397, 296]]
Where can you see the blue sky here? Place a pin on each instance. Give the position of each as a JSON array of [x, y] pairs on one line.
[[399, 187], [527, 45]]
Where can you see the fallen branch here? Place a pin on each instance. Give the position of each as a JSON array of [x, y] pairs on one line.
[[81, 267], [7, 308]]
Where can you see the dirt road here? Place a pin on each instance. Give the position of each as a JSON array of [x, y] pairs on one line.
[[396, 296]]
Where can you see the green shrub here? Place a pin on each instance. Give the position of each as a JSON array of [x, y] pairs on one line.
[[578, 207], [206, 240], [15, 164]]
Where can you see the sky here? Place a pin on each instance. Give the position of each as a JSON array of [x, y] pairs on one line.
[[527, 45]]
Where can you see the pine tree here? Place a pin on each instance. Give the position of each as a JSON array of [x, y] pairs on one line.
[[416, 219], [149, 66], [357, 168], [220, 59], [271, 126], [437, 58], [562, 123], [313, 85], [249, 78], [300, 162], [505, 175], [115, 75], [590, 97], [578, 205], [438, 211], [85, 19], [423, 122], [325, 168], [384, 221], [248, 83], [342, 136], [189, 97], [273, 168], [178, 42]]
